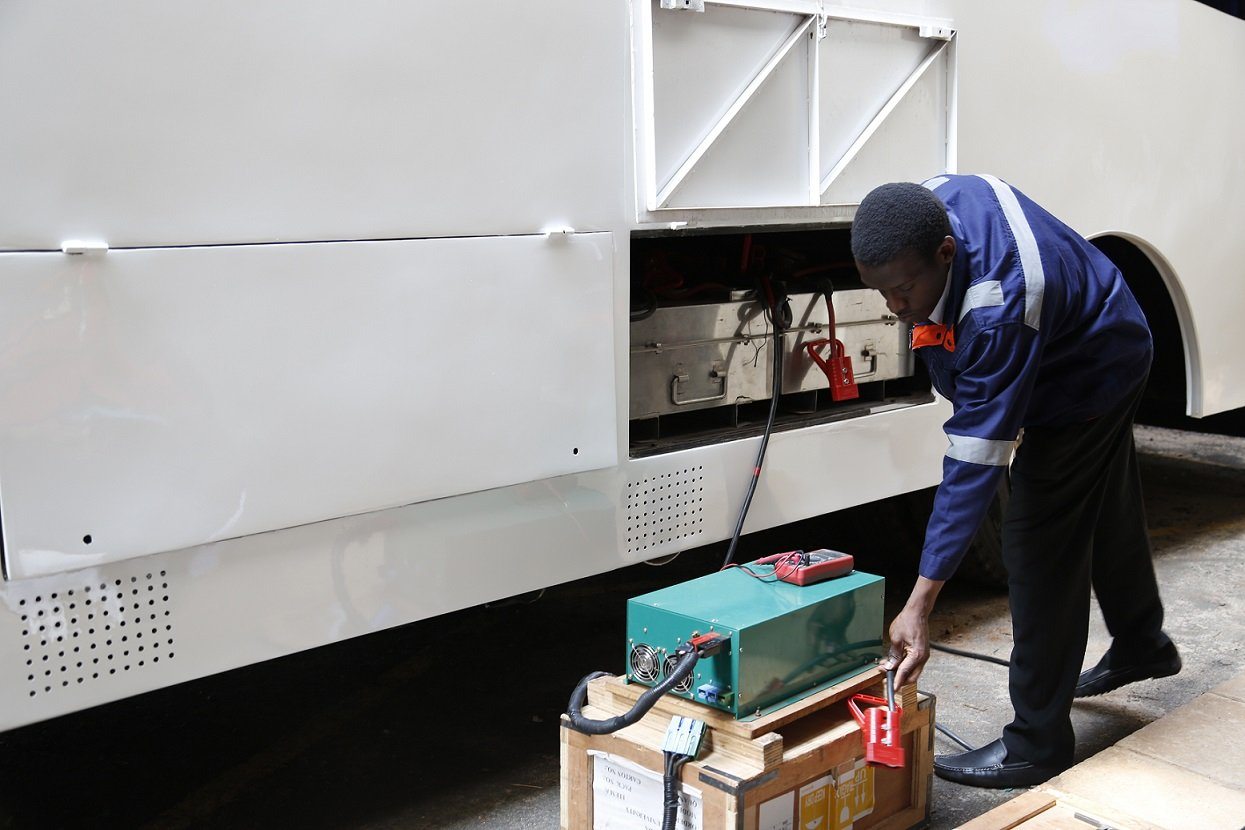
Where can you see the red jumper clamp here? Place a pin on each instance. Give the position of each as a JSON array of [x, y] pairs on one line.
[[838, 368], [880, 726]]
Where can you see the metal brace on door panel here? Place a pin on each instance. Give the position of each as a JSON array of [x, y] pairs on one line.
[[883, 113], [690, 162], [813, 21]]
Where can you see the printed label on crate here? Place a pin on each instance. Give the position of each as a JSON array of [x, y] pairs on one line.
[[626, 796], [853, 794], [816, 802], [777, 813]]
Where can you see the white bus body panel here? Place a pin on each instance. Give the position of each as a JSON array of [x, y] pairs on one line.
[[188, 122], [163, 398], [1124, 118], [245, 600], [193, 124]]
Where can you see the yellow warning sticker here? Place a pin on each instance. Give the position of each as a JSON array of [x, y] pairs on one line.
[[853, 795], [816, 806]]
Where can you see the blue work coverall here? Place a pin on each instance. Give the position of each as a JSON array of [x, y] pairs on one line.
[[1038, 332]]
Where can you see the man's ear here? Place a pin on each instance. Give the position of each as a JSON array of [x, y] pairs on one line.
[[946, 250]]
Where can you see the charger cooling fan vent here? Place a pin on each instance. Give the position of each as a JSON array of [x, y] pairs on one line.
[[644, 662], [667, 668]]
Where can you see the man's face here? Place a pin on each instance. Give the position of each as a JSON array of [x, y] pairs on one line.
[[911, 284]]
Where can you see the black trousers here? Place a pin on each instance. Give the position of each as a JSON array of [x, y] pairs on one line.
[[1075, 518]]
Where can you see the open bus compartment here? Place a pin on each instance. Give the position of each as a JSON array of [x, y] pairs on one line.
[[774, 118], [701, 344], [690, 357]]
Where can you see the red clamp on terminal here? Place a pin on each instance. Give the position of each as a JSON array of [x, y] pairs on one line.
[[880, 726], [709, 644], [838, 368]]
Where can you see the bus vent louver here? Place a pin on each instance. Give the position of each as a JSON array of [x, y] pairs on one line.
[[96, 630], [665, 510]]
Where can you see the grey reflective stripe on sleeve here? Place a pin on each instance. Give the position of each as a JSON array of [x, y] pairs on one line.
[[982, 295], [1026, 246], [980, 450], [935, 183]]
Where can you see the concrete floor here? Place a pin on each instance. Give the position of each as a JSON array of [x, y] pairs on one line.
[[452, 723]]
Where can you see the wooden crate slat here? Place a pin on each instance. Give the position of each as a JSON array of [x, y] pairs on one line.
[[869, 681]]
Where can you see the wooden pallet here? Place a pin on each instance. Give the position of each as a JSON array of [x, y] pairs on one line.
[[1045, 810], [748, 770], [1184, 770]]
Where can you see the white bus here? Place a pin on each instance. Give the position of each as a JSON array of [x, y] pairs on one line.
[[319, 318]]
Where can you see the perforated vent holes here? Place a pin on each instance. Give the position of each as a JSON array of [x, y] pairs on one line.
[[665, 508], [99, 629]]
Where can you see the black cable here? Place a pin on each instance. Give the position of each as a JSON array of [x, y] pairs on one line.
[[670, 786], [683, 668], [974, 655], [650, 307], [944, 730], [670, 795], [780, 326]]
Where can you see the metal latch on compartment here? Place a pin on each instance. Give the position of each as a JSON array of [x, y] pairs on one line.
[[679, 395]]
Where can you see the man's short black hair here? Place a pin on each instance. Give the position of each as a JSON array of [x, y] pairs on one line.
[[896, 218]]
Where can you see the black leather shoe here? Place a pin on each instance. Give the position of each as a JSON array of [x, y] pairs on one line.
[[1112, 672], [990, 767]]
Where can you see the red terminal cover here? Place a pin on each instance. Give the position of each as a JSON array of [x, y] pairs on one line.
[[881, 730]]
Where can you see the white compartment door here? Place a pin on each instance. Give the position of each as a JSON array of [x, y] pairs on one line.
[[750, 107], [154, 399], [175, 122]]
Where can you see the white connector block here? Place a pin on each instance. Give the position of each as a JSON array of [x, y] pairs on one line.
[[683, 736]]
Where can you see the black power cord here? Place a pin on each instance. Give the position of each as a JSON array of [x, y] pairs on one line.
[[689, 654], [998, 661], [972, 654], [686, 663], [670, 788], [779, 313], [944, 730]]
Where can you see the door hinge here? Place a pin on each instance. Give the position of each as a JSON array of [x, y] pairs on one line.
[[77, 247], [936, 31], [684, 5]]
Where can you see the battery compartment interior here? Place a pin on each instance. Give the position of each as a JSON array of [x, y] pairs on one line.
[[702, 345]]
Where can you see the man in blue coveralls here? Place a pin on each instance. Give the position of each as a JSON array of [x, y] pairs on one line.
[[1024, 326]]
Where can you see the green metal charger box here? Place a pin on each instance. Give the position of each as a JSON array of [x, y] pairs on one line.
[[786, 641]]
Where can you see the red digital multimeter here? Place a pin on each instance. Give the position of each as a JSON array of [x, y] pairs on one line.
[[804, 568]]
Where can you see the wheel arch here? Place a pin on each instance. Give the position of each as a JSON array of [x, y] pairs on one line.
[[1158, 290]]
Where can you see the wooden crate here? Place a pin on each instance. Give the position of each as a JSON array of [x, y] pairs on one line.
[[764, 774]]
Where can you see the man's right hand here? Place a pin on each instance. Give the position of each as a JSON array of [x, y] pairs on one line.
[[909, 633], [909, 646]]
